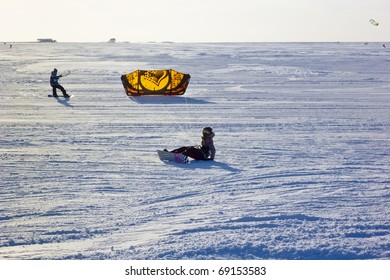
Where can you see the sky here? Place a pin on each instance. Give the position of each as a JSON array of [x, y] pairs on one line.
[[195, 20]]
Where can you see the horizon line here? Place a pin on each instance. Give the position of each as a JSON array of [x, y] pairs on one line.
[[186, 42]]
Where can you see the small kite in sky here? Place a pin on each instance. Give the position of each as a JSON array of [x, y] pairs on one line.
[[374, 22]]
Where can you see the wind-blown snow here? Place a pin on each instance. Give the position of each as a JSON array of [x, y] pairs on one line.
[[301, 171]]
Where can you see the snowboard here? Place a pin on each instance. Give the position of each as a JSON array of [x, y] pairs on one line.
[[51, 95], [172, 157]]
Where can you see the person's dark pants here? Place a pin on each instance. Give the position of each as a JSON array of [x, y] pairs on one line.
[[59, 87], [191, 152]]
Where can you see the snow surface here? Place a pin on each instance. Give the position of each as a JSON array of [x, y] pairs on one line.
[[301, 171]]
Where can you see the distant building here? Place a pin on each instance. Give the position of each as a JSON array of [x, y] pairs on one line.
[[112, 40], [46, 40]]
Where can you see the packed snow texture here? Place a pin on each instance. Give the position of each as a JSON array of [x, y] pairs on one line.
[[302, 169]]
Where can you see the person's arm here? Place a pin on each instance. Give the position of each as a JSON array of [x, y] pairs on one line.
[[212, 151]]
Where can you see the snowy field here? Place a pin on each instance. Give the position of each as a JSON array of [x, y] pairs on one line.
[[302, 169]]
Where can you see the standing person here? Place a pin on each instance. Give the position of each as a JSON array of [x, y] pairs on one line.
[[54, 84], [204, 151]]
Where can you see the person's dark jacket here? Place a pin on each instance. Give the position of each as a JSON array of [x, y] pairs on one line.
[[208, 146], [54, 79]]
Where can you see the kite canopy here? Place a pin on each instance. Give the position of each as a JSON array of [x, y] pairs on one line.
[[373, 22], [155, 82]]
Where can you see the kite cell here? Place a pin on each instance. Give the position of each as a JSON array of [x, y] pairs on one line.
[[155, 82], [374, 22]]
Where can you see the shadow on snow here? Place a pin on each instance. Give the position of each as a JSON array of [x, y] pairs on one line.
[[202, 164], [152, 99], [64, 102]]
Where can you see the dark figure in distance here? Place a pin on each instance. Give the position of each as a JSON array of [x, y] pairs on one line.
[[54, 84]]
